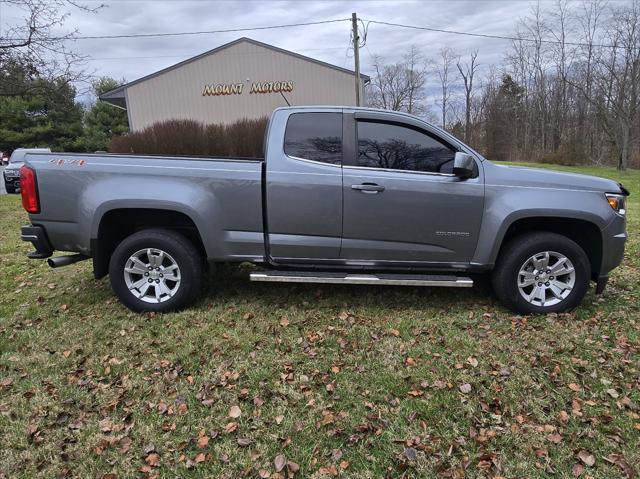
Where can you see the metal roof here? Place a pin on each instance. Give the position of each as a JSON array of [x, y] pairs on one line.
[[117, 96]]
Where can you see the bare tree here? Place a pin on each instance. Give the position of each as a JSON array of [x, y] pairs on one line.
[[416, 71], [36, 49], [400, 86], [618, 81], [445, 63], [589, 20], [467, 73]]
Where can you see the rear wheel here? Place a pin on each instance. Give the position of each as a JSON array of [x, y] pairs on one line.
[[156, 270], [10, 188], [541, 273]]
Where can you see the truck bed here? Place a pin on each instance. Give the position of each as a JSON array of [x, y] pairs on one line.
[[224, 197]]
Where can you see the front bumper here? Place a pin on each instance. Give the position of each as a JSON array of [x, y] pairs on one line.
[[12, 181], [37, 236]]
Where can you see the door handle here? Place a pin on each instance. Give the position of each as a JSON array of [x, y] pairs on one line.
[[368, 188]]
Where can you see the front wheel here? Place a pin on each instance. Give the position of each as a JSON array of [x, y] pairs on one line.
[[541, 273], [155, 270]]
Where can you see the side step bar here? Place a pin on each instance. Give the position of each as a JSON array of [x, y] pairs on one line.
[[358, 278]]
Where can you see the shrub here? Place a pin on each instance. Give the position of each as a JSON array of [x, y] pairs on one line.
[[243, 138], [569, 154]]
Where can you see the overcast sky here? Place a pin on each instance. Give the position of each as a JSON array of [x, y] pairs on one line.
[[134, 58]]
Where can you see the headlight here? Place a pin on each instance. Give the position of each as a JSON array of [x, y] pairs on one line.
[[617, 202]]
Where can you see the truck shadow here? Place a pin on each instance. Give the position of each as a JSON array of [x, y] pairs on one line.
[[231, 283]]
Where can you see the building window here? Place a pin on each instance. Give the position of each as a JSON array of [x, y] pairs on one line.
[[314, 136]]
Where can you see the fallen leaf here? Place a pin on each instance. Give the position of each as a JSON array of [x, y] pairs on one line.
[[152, 459], [587, 458], [264, 474], [203, 441], [248, 316], [293, 467], [574, 387], [200, 458], [328, 471], [279, 462], [577, 469], [554, 438], [235, 412], [244, 441], [465, 388], [473, 361], [66, 354], [279, 419], [284, 322], [613, 393], [149, 448], [563, 416], [410, 453], [619, 460], [106, 425], [394, 332], [230, 427]]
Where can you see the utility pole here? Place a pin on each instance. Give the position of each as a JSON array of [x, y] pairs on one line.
[[356, 54]]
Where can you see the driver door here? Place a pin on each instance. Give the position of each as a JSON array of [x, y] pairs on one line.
[[402, 202]]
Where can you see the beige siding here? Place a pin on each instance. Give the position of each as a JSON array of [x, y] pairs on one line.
[[177, 94]]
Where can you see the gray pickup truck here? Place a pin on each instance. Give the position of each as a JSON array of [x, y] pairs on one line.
[[342, 195]]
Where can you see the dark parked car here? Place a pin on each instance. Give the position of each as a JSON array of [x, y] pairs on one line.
[[12, 171]]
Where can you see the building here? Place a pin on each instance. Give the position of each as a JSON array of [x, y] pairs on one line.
[[241, 79]]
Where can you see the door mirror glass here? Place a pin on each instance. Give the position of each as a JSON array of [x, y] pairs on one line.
[[463, 165]]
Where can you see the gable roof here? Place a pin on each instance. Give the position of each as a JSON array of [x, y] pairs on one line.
[[117, 96]]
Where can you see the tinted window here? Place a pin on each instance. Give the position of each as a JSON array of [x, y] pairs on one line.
[[315, 136], [384, 145]]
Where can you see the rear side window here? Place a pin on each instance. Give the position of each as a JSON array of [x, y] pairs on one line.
[[388, 145], [314, 136]]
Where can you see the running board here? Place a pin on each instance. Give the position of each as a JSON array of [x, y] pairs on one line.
[[355, 278]]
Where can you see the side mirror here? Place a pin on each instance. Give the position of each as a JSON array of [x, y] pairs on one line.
[[463, 165]]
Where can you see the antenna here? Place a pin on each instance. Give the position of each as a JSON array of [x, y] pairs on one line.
[[285, 98]]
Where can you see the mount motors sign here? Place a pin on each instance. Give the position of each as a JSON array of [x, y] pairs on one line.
[[220, 89]]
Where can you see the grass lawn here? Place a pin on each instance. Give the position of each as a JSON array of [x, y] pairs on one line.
[[275, 380]]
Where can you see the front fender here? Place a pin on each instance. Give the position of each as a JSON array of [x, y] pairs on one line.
[[506, 205]]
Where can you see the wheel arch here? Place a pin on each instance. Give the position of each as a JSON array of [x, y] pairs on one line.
[[116, 224], [583, 232]]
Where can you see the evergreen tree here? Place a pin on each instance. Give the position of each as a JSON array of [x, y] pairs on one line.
[[38, 119], [103, 121]]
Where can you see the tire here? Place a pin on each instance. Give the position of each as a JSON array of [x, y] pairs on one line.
[[10, 189], [521, 262], [180, 261]]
